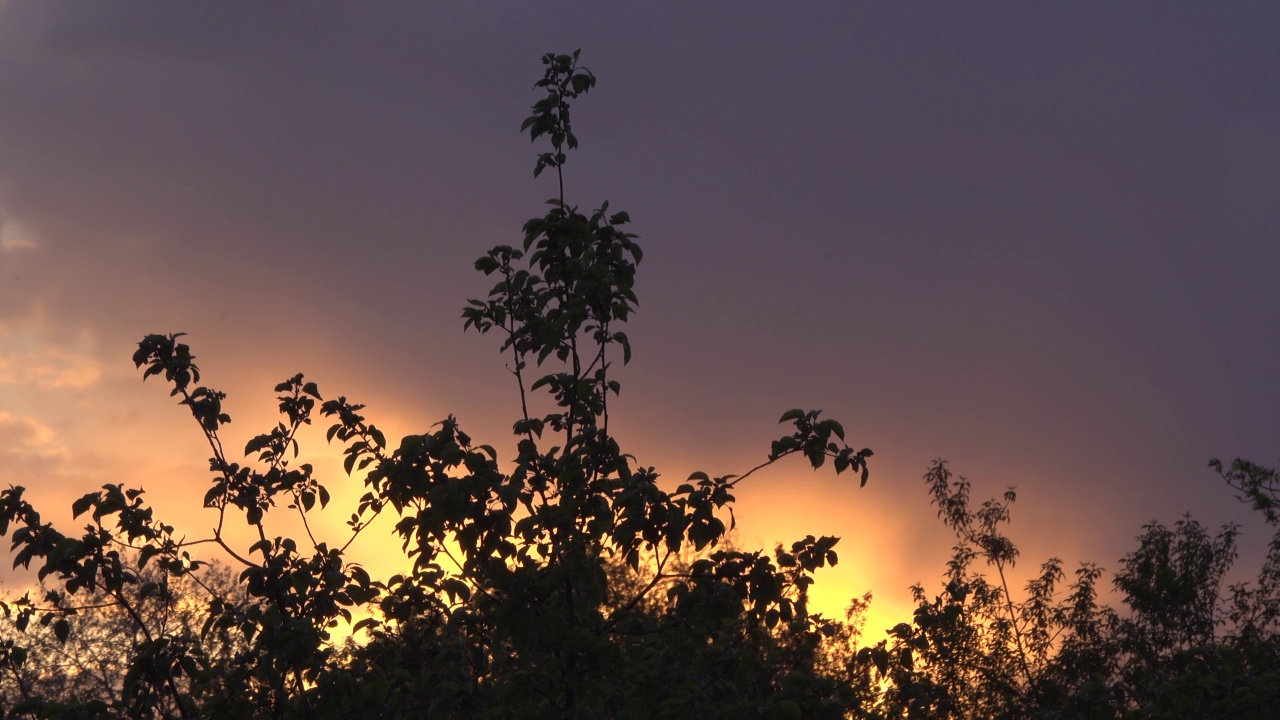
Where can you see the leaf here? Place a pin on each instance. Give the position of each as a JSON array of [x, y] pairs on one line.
[[622, 339], [880, 657], [795, 414], [836, 428], [82, 505], [61, 630], [257, 444], [214, 493], [816, 457], [842, 463]]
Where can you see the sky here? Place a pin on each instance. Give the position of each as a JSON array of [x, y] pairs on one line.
[[1037, 240]]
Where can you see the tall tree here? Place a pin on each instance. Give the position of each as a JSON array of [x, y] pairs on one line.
[[569, 582]]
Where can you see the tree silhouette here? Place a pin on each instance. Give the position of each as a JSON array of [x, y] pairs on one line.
[[520, 597], [1182, 645]]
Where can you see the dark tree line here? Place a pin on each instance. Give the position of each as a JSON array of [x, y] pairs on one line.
[[568, 580]]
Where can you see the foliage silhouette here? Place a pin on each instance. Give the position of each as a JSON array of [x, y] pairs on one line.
[[506, 608], [1184, 646], [568, 581], [89, 661]]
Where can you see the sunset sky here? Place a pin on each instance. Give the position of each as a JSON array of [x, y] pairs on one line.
[[1042, 244]]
